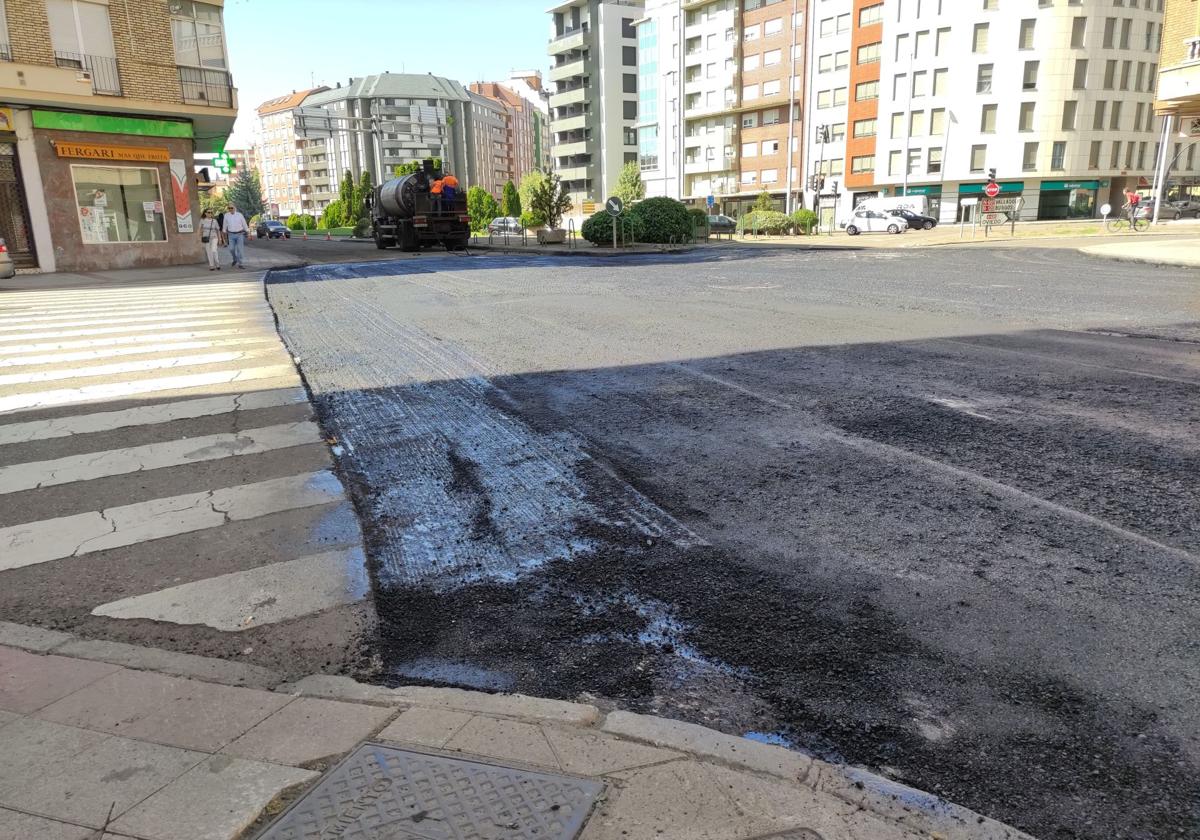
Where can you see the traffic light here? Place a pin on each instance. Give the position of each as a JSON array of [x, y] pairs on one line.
[[992, 174], [820, 182]]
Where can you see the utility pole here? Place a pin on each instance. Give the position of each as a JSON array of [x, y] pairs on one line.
[[1160, 167], [912, 54]]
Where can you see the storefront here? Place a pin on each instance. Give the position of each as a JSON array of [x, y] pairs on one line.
[[1068, 199], [932, 193], [14, 208], [1007, 188], [119, 191]]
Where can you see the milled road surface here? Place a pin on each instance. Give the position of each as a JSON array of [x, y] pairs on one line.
[[932, 512]]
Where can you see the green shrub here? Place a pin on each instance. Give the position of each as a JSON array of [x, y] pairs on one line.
[[532, 220], [362, 227], [765, 221], [334, 215], [598, 229], [804, 220], [664, 220], [699, 217], [301, 221], [482, 208], [254, 220]]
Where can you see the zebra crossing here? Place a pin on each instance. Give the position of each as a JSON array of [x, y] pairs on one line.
[[159, 461]]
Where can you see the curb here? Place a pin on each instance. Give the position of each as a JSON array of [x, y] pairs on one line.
[[908, 807], [1094, 251], [588, 251]]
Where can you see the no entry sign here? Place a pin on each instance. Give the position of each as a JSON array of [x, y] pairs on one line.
[[992, 190]]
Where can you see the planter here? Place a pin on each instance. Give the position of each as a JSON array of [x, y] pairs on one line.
[[551, 237]]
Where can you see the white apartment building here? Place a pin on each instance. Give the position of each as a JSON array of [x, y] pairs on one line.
[[593, 102], [660, 83], [1055, 95]]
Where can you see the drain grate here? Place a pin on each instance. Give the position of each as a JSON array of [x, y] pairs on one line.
[[382, 793]]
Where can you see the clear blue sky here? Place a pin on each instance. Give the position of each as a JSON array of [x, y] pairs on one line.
[[277, 46]]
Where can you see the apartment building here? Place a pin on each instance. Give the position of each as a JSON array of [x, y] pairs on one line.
[[526, 127], [721, 87], [528, 85], [280, 151], [594, 64], [1178, 98], [488, 149], [925, 97], [103, 107]]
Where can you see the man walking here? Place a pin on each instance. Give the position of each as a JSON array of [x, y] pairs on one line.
[[235, 228]]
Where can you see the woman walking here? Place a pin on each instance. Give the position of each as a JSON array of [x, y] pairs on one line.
[[210, 235]]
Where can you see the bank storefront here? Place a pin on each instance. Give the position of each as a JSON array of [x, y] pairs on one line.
[[1068, 199]]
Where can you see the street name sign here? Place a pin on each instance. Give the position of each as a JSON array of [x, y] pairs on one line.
[[994, 218], [1002, 205]]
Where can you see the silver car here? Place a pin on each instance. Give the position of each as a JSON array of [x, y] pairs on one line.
[[7, 269], [874, 221], [1189, 207], [1168, 213]]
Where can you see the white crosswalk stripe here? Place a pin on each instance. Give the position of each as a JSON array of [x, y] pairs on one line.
[[94, 384]]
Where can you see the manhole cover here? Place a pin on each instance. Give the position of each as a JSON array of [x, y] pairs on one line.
[[381, 793]]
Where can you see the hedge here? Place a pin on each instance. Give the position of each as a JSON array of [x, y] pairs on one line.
[[663, 219], [598, 229]]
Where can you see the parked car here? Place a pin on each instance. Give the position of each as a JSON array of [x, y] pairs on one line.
[[916, 221], [721, 224], [272, 229], [1189, 207], [7, 269], [505, 224], [874, 221], [1168, 212]]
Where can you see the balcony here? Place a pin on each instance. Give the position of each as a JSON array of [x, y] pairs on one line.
[[567, 70], [572, 123], [1179, 85], [106, 76], [202, 86], [576, 147], [571, 39], [574, 173], [1192, 49], [569, 97]]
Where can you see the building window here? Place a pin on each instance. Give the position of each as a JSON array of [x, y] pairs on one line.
[[933, 164], [1094, 155], [1029, 78], [920, 83], [769, 176], [771, 57], [987, 119], [1070, 106], [118, 204], [869, 53], [1081, 68], [749, 177], [773, 26], [978, 158], [839, 96], [770, 88], [862, 163], [1078, 32], [198, 33], [979, 38], [1126, 26], [870, 15], [916, 124], [1115, 158], [1114, 120], [749, 91], [941, 40], [937, 121], [1110, 74], [1029, 157], [866, 90], [1025, 35], [864, 128], [983, 80], [1025, 118], [1110, 30], [914, 161], [82, 37], [750, 62], [1058, 155], [770, 116], [894, 158], [897, 126]]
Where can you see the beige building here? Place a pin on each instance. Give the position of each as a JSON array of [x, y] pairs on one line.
[[103, 107], [280, 153], [1178, 97], [525, 141]]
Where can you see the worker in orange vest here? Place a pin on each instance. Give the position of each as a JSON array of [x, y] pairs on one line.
[[449, 187], [436, 192]]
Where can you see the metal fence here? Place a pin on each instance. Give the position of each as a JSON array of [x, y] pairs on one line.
[[206, 87], [106, 75]]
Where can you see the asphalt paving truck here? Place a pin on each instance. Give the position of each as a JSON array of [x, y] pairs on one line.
[[410, 212]]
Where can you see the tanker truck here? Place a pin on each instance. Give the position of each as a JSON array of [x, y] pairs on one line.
[[404, 212]]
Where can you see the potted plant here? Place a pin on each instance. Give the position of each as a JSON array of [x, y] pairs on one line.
[[550, 202]]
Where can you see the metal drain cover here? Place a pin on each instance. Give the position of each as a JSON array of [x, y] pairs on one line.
[[382, 793]]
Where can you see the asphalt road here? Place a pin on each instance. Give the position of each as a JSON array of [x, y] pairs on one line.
[[931, 512]]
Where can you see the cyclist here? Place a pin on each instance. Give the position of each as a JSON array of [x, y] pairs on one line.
[[1132, 202]]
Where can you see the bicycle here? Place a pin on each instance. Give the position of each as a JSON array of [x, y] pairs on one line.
[[1126, 221]]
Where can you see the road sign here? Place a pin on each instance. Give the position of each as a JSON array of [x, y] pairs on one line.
[[711, 200], [614, 206], [969, 202], [993, 218], [992, 190], [1002, 205]]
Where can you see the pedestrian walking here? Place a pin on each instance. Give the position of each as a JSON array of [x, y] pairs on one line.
[[210, 235], [235, 228]]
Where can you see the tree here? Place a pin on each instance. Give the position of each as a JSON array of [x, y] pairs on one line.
[[333, 215], [346, 195], [213, 200], [411, 167], [361, 194], [528, 181], [510, 203], [481, 207], [763, 202], [629, 185], [550, 201], [245, 193]]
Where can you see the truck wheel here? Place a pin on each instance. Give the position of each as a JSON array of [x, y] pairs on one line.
[[381, 243]]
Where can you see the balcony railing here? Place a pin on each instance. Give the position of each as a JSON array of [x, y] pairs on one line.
[[206, 87], [106, 76]]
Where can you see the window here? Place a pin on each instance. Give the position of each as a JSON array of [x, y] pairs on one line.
[[749, 149], [933, 163], [990, 5], [1142, 155], [1078, 32], [824, 98], [1025, 35], [864, 128], [118, 204], [1114, 116], [841, 60], [843, 22], [1141, 75], [1081, 69], [983, 81], [866, 90], [916, 124], [1128, 155], [1110, 73], [749, 177], [1030, 76], [769, 176], [1070, 106], [1029, 157], [770, 116], [979, 38], [629, 109], [1058, 155], [920, 83], [1110, 29], [629, 82], [839, 96], [1137, 115], [899, 87], [750, 62], [771, 57], [1094, 155], [1115, 159], [837, 132], [894, 163], [827, 27], [937, 121], [1025, 118], [1098, 117], [897, 126], [749, 91], [862, 163], [942, 39], [914, 160], [773, 26], [629, 56], [941, 78], [1126, 26], [197, 31], [1126, 66], [987, 119], [770, 147], [921, 44], [770, 88], [82, 30], [749, 120], [869, 53], [978, 158], [870, 15]]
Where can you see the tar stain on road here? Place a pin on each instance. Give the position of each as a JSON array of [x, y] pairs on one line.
[[751, 543]]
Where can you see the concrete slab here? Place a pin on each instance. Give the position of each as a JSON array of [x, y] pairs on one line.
[[115, 702], [213, 801], [308, 729], [31, 747], [688, 737], [251, 598], [505, 705], [427, 727], [169, 662], [509, 740], [594, 754], [29, 681], [31, 638], [17, 826], [117, 773], [205, 716], [333, 687], [8, 717]]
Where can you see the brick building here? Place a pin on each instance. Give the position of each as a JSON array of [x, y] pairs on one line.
[[1178, 99], [103, 107], [526, 129]]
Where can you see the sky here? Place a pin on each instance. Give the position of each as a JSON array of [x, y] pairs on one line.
[[276, 47]]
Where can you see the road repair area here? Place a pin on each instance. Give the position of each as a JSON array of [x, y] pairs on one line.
[[933, 513]]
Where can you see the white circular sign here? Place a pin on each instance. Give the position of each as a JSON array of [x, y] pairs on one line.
[[1105, 209]]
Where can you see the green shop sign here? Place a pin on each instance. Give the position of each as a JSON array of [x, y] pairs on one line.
[[977, 189], [1049, 186], [934, 189], [105, 124]]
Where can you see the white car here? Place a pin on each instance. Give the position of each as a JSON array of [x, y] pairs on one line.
[[874, 221]]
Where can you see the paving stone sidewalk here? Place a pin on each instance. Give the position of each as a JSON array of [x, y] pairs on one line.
[[1136, 248], [104, 741]]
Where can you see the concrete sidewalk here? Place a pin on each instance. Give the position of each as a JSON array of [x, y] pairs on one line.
[[116, 741], [1133, 248]]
